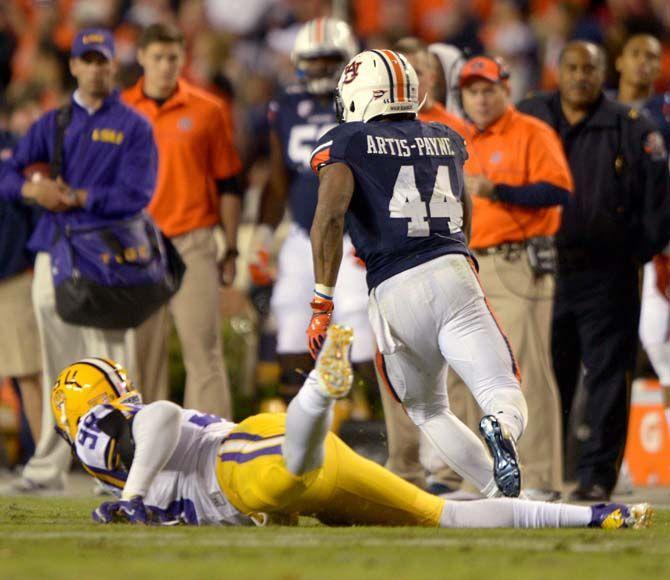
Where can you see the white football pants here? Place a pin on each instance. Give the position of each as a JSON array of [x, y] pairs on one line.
[[436, 315], [655, 325]]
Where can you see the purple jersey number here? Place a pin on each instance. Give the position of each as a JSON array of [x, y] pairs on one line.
[[204, 420], [89, 432]]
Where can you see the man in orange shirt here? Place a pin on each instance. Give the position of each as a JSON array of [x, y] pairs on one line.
[[518, 177], [197, 190]]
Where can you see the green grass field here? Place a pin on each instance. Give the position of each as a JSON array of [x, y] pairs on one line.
[[55, 538]]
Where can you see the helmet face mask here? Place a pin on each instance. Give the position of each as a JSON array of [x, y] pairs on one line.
[[339, 106], [378, 83], [321, 49], [320, 74], [84, 385]]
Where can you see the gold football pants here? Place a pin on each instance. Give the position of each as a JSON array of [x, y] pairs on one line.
[[346, 490]]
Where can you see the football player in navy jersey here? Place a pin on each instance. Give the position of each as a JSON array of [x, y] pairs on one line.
[[399, 182], [298, 118], [640, 66]]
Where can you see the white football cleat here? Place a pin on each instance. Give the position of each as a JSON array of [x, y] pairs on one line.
[[334, 374]]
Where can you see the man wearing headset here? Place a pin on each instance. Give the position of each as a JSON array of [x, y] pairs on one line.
[[518, 178]]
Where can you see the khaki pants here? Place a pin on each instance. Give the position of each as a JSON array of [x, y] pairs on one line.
[[63, 344], [523, 305], [19, 338], [196, 314]]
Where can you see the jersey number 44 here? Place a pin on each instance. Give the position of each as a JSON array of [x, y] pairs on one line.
[[407, 203]]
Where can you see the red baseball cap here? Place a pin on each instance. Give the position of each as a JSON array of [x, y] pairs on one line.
[[483, 67]]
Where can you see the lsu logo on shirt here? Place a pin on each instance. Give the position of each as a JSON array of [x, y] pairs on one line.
[[108, 136]]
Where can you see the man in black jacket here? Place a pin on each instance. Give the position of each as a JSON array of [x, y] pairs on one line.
[[618, 217]]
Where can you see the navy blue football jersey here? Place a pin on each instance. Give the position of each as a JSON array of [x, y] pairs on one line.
[[406, 207], [299, 120]]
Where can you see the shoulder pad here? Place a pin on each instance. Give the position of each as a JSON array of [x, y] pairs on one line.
[[332, 145], [342, 132]]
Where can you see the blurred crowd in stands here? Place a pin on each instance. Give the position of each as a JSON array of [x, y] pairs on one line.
[[241, 49]]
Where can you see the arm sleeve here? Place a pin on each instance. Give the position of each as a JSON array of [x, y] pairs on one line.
[[136, 178], [32, 148], [156, 430], [541, 194]]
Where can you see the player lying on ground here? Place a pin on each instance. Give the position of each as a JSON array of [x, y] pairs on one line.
[[172, 465]]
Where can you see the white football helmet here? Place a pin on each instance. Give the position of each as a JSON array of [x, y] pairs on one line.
[[374, 83], [323, 38]]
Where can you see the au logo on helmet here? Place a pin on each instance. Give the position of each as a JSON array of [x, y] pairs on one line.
[[351, 72]]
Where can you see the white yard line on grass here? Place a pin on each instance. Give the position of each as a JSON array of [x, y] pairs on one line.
[[227, 540]]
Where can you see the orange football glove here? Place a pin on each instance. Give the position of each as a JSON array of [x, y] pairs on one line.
[[662, 267], [322, 311]]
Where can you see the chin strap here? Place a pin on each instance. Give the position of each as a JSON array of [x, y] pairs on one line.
[[366, 108]]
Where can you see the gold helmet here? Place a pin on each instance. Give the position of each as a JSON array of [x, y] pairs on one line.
[[85, 384]]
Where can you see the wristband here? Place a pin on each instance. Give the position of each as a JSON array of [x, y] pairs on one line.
[[323, 291]]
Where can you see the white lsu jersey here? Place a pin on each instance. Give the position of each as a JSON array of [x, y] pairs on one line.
[[186, 489]]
